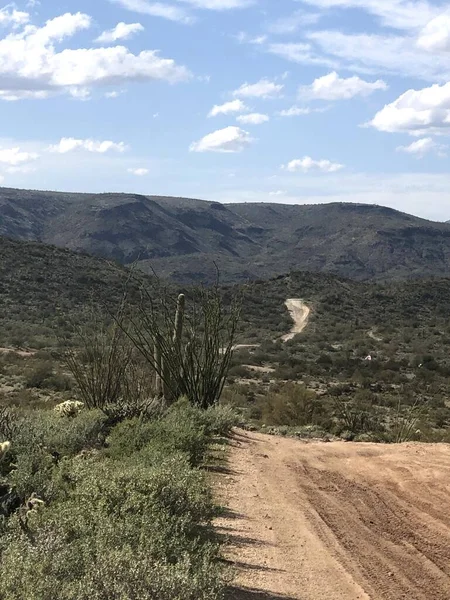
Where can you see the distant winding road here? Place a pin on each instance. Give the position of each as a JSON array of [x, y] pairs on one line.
[[299, 313]]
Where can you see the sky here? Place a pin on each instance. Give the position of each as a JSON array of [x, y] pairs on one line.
[[288, 101]]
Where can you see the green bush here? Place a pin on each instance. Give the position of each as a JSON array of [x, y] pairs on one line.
[[43, 438], [292, 405], [123, 532]]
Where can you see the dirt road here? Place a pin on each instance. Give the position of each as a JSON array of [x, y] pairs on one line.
[[337, 521], [299, 313]]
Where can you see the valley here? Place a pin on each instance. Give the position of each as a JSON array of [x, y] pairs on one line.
[[327, 448]]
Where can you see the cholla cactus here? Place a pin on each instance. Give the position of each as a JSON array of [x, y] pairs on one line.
[[4, 448], [69, 408]]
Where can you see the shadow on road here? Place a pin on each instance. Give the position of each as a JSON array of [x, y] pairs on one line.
[[235, 593]]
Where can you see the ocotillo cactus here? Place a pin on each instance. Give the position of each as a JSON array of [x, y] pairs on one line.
[[179, 319], [158, 371], [167, 358]]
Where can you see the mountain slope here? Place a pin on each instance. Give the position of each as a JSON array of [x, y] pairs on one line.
[[184, 238]]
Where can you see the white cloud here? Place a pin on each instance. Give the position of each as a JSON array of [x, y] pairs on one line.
[[21, 169], [14, 95], [234, 106], [262, 89], [307, 164], [139, 172], [301, 52], [66, 145], [122, 31], [253, 119], [333, 87], [423, 146], [436, 34], [30, 66], [245, 38], [113, 94], [13, 17], [219, 4], [399, 14], [278, 193], [373, 53], [15, 156], [417, 112], [296, 111], [156, 9], [293, 22], [178, 13], [230, 139]]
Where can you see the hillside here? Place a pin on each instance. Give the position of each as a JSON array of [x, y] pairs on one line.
[[182, 238], [42, 286], [403, 326]]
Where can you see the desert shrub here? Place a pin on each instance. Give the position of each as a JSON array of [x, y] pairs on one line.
[[38, 376], [356, 415], [129, 436], [220, 419], [293, 404], [122, 532], [240, 371], [42, 440], [184, 428]]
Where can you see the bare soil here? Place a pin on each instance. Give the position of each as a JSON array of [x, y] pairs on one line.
[[337, 521]]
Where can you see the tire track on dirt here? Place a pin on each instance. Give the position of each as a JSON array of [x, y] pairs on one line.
[[338, 521]]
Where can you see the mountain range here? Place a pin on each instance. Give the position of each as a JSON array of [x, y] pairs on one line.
[[185, 239]]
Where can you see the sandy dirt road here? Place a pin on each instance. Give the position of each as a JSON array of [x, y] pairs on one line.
[[299, 313], [336, 521]]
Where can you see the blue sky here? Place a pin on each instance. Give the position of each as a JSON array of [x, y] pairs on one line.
[[295, 101]]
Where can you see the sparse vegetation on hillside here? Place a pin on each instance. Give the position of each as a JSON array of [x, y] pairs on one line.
[[403, 327], [372, 355], [255, 240]]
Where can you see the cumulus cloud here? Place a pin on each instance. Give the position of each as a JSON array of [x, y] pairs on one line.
[[11, 16], [139, 172], [264, 88], [66, 145], [436, 34], [307, 164], [423, 146], [417, 112], [234, 106], [122, 31], [253, 119], [30, 65], [333, 87], [15, 156], [230, 139]]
